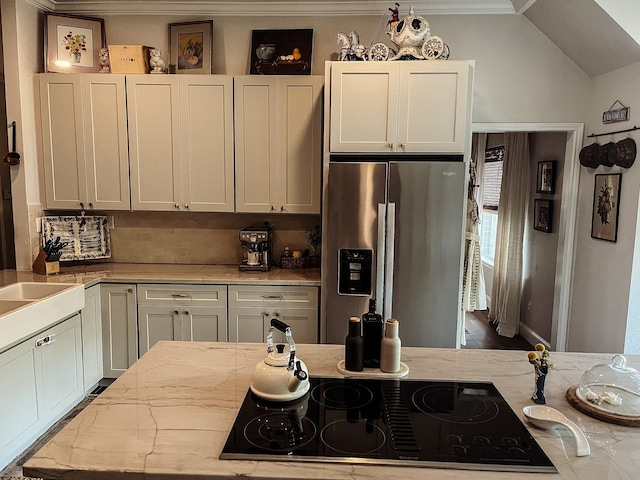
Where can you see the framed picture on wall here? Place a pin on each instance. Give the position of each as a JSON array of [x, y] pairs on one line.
[[191, 47], [542, 215], [546, 178], [281, 52], [72, 44], [606, 205]]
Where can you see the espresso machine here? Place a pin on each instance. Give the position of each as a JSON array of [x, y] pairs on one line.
[[256, 249]]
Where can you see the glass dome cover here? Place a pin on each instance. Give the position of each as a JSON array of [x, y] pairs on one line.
[[612, 387]]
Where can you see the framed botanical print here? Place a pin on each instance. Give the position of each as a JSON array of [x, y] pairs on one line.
[[72, 44], [546, 178], [191, 47], [606, 205], [542, 215]]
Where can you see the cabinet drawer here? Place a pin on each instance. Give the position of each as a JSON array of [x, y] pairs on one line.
[[169, 294], [259, 296]]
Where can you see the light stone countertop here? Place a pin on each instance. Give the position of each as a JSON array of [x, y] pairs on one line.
[[167, 273], [169, 415]]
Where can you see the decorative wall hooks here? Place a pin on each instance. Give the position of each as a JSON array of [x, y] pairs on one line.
[[632, 129]]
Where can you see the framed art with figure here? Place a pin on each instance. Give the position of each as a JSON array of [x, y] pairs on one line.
[[542, 215], [191, 47], [606, 205], [72, 44], [546, 178]]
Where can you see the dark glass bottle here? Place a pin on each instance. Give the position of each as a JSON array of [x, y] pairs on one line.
[[354, 347], [372, 327]]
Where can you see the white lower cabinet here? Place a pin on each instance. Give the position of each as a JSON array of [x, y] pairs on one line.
[[181, 312], [119, 327], [40, 380], [91, 338], [251, 309]]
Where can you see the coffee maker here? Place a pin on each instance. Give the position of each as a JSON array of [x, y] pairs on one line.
[[256, 249]]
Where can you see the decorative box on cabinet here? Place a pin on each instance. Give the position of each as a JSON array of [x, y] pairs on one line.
[[119, 327], [251, 308], [84, 140], [181, 142], [278, 144], [91, 338], [40, 381], [181, 312], [382, 107]]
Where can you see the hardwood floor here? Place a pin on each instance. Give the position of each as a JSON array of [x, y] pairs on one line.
[[481, 334]]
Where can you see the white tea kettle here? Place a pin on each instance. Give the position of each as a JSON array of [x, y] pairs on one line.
[[280, 377]]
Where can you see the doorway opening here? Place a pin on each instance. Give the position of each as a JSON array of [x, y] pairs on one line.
[[566, 213]]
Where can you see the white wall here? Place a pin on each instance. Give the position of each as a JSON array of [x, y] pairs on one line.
[[604, 313], [541, 247]]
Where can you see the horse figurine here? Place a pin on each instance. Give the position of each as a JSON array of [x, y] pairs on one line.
[[350, 47]]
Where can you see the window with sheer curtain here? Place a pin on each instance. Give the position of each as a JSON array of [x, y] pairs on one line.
[[491, 181]]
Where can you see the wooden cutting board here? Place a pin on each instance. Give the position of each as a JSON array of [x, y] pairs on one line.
[[587, 408]]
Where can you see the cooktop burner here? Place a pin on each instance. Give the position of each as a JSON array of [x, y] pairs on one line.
[[400, 422]]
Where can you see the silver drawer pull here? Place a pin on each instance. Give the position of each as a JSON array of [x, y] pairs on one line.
[[181, 295], [272, 297]]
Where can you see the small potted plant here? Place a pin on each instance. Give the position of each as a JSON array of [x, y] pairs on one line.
[[314, 237]]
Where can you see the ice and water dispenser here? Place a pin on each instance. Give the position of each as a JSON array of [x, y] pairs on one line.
[[354, 271]]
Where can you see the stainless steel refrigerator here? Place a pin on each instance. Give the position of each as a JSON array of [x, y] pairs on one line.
[[394, 231]]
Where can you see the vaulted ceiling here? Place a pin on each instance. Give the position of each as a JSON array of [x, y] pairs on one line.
[[597, 35]]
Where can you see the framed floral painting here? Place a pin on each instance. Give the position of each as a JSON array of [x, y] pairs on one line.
[[606, 205], [72, 44], [191, 47], [543, 215]]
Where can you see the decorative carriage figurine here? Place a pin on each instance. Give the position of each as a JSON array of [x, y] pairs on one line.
[[411, 35]]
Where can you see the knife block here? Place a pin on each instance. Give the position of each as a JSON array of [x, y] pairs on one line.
[[41, 266]]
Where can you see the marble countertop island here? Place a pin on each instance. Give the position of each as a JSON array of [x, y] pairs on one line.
[[169, 415]]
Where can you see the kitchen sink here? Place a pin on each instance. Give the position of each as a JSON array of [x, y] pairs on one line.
[[31, 290], [10, 305], [28, 308]]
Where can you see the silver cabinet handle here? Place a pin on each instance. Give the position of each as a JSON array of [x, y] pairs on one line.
[[186, 312], [176, 312], [44, 341], [272, 297], [181, 295], [186, 205]]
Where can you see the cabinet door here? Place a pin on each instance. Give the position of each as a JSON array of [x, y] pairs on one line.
[[62, 141], [300, 144], [364, 103], [303, 323], [434, 111], [255, 129], [206, 116], [154, 136], [119, 328], [61, 364], [248, 324], [106, 142], [19, 399], [204, 324], [91, 337], [158, 323]]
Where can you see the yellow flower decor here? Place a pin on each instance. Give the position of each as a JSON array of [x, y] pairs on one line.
[[540, 360]]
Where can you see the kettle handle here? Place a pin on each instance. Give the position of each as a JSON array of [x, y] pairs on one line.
[[280, 325], [286, 329]]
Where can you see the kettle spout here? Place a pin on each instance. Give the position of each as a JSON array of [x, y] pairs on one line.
[[299, 376]]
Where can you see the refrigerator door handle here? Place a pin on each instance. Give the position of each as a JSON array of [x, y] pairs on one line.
[[389, 256], [380, 260]]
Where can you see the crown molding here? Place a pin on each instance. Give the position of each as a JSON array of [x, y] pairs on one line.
[[269, 8]]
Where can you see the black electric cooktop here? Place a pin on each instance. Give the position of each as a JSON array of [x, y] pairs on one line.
[[446, 424]]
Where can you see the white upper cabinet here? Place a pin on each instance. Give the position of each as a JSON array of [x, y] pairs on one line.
[[382, 107], [84, 133], [181, 142], [278, 143]]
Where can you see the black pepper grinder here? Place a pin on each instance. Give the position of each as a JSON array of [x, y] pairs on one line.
[[354, 347], [372, 327]]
